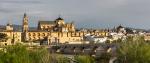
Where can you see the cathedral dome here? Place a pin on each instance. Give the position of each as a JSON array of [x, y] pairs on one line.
[[59, 18]]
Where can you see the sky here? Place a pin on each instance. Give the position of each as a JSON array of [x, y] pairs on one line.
[[84, 13]]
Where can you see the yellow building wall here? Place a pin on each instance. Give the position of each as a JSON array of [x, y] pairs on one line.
[[62, 37], [13, 38]]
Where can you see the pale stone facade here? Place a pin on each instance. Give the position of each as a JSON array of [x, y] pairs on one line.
[[56, 31], [9, 27], [57, 25], [61, 37], [13, 38]]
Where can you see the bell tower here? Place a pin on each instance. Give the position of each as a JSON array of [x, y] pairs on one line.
[[25, 27]]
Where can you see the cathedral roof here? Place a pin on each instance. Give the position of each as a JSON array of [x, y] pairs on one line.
[[120, 26], [47, 22], [59, 18], [9, 25], [37, 31]]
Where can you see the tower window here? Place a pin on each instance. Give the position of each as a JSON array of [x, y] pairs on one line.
[[5, 44]]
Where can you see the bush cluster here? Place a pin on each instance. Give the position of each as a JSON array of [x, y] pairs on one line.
[[22, 54]]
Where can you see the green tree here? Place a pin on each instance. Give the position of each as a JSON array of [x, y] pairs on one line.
[[39, 56], [62, 59], [134, 50], [14, 54], [22, 54], [84, 59]]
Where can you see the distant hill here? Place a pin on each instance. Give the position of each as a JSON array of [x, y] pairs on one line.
[[138, 30], [17, 27]]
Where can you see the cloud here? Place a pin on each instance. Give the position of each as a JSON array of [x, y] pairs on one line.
[[98, 13], [21, 1]]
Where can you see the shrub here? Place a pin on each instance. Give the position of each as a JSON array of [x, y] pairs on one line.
[[134, 50], [84, 59]]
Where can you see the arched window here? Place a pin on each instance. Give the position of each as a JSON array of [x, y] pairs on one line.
[[43, 34], [30, 39], [34, 34], [34, 38], [38, 34], [29, 34]]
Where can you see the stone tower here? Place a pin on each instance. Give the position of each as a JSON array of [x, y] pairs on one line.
[[25, 27], [9, 27], [60, 21]]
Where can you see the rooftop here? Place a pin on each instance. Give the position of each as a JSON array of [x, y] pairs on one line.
[[47, 22], [59, 18]]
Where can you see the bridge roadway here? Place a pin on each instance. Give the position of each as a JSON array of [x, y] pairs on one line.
[[84, 49]]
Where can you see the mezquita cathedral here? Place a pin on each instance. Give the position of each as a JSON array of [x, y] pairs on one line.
[[47, 33]]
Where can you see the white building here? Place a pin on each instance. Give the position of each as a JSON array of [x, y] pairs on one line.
[[95, 39], [116, 36]]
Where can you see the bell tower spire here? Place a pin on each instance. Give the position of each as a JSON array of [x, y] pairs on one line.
[[25, 23]]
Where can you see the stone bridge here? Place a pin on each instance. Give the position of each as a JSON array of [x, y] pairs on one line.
[[84, 49]]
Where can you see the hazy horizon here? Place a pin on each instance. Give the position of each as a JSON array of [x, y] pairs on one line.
[[84, 13]]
